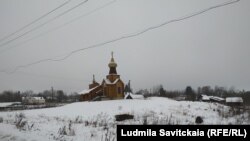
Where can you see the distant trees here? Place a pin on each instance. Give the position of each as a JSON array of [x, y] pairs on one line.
[[205, 90], [10, 96], [246, 97], [218, 91], [28, 93], [143, 92], [162, 91], [159, 90], [225, 92], [190, 94], [73, 97], [60, 96], [57, 96], [128, 88]]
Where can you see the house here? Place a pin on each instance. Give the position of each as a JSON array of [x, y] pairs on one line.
[[28, 100], [234, 101], [112, 87], [133, 96], [180, 98], [217, 99], [204, 98]]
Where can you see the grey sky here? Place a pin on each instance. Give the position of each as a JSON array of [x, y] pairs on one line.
[[209, 49]]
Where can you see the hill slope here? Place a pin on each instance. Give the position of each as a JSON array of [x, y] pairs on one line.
[[96, 120]]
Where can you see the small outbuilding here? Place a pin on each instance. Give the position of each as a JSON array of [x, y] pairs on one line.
[[28, 100], [217, 99], [234, 101], [133, 96], [204, 98]]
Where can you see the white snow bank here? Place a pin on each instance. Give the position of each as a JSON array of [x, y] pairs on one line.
[[89, 118], [5, 104]]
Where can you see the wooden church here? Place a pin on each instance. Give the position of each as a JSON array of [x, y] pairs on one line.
[[112, 87]]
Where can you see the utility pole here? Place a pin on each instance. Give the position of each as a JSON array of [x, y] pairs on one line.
[[52, 94]]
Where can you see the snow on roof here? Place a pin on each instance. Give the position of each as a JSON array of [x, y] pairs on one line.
[[216, 98], [134, 96], [234, 99], [107, 81], [205, 97], [38, 98], [86, 91], [116, 80], [35, 98]]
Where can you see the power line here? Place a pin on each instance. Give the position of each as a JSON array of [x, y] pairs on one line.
[[125, 36], [5, 43], [35, 20], [59, 27]]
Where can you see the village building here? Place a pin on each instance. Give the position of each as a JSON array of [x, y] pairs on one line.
[[112, 87], [180, 98], [28, 100], [204, 98], [133, 96], [234, 101], [217, 99]]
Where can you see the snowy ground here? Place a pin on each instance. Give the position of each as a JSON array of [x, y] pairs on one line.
[[5, 104], [96, 120]]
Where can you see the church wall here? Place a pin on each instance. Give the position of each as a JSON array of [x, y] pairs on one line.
[[120, 85], [112, 91]]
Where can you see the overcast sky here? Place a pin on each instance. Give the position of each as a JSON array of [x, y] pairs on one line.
[[208, 49]]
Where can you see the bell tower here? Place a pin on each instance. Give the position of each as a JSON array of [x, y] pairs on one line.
[[94, 83], [112, 69]]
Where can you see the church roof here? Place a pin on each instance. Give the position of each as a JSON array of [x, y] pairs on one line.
[[86, 91], [107, 81], [112, 62]]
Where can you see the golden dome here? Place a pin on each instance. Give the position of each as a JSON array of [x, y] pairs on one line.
[[112, 63]]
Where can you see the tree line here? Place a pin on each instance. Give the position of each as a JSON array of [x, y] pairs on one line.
[[191, 94], [50, 96]]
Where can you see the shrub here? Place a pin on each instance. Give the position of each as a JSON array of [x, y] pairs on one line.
[[19, 117], [198, 120], [78, 119], [108, 136], [67, 130], [21, 124], [1, 119]]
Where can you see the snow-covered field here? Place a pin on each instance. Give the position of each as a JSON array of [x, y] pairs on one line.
[[4, 104], [86, 121]]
